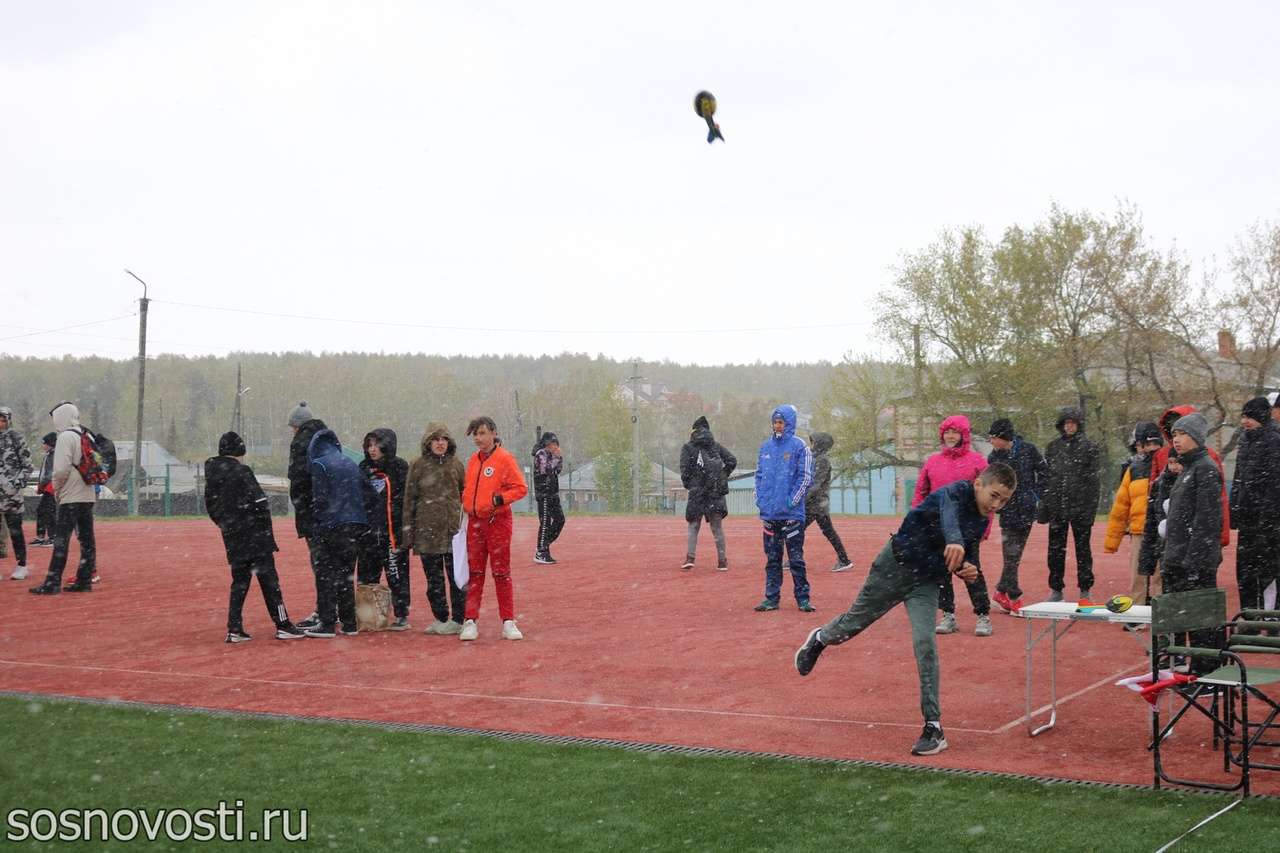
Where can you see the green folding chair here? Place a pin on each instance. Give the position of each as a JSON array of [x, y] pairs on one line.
[[1249, 635]]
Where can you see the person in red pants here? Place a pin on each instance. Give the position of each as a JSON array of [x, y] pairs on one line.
[[493, 482]]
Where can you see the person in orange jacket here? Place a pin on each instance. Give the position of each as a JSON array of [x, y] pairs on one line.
[[1129, 509], [493, 483]]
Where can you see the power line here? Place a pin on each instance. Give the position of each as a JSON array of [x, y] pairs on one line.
[[444, 328], [64, 328]]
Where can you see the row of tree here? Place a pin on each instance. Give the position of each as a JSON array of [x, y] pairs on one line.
[[1078, 308]]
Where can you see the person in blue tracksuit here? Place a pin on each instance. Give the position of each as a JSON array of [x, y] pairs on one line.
[[339, 497], [784, 472]]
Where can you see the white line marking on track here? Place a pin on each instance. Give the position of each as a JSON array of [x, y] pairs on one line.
[[451, 694]]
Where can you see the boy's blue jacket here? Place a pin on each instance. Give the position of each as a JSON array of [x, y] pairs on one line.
[[784, 471], [338, 489], [948, 516]]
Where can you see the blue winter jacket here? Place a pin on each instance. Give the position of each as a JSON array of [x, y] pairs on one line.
[[338, 489], [949, 516], [784, 471], [1025, 460]]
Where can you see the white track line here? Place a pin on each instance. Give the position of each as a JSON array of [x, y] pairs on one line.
[[1110, 679], [450, 694]]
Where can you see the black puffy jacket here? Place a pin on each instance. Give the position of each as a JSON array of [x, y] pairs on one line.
[[385, 509], [1073, 486], [236, 503], [705, 466]]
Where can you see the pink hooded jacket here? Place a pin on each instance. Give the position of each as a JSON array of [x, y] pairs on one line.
[[949, 464]]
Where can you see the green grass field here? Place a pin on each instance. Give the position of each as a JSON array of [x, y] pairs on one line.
[[367, 788]]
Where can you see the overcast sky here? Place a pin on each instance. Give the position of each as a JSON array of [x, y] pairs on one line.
[[531, 177]]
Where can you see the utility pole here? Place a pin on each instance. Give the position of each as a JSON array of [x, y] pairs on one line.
[[142, 388], [237, 416], [635, 435]]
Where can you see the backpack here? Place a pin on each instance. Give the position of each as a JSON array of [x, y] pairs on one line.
[[714, 479], [97, 458]]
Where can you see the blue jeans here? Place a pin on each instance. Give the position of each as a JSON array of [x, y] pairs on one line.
[[777, 535]]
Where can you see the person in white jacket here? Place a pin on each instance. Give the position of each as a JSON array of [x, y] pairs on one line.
[[76, 500]]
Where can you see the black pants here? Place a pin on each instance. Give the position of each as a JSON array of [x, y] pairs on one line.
[[313, 546], [1013, 541], [77, 517], [828, 530], [46, 516], [375, 558], [978, 595], [13, 521], [550, 520], [335, 556], [242, 575], [1181, 579], [1257, 562], [438, 569], [1080, 530]]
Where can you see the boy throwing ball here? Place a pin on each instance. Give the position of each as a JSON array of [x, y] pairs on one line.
[[940, 536]]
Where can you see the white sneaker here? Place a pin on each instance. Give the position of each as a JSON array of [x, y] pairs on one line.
[[469, 630], [19, 573], [436, 627], [509, 631]]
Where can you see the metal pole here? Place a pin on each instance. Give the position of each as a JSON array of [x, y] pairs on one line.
[[142, 388], [635, 436]]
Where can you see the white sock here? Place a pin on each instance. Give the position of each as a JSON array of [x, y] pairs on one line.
[[937, 725]]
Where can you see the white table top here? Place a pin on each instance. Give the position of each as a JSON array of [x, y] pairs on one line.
[[1062, 610]]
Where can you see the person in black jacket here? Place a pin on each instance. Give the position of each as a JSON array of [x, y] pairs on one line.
[[235, 502], [381, 550], [1186, 538], [1019, 515], [547, 462], [340, 522], [1070, 500], [1255, 503], [47, 509], [817, 503], [705, 466], [304, 427]]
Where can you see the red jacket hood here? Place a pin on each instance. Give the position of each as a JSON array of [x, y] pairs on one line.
[[1170, 417], [961, 424]]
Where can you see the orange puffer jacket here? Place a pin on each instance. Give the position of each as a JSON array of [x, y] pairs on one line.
[[1129, 510], [495, 474]]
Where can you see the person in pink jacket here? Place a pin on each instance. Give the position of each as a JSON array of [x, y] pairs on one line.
[[957, 460]]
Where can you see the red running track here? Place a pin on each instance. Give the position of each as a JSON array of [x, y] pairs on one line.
[[619, 644]]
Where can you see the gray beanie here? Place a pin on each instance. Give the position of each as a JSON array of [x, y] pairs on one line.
[[300, 414], [1193, 425]]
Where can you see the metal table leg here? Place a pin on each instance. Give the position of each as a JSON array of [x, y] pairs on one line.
[[1032, 641]]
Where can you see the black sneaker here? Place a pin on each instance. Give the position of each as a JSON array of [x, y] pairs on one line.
[[805, 606], [352, 630], [289, 631], [238, 637], [766, 605], [323, 632], [807, 654], [45, 588], [401, 624], [79, 586], [931, 741], [312, 621], [544, 558]]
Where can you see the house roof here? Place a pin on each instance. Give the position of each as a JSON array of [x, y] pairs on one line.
[[583, 478]]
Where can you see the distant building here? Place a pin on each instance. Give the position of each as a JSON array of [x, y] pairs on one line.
[[867, 493], [157, 465], [579, 490]]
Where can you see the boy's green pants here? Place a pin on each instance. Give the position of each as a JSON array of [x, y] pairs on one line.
[[889, 584]]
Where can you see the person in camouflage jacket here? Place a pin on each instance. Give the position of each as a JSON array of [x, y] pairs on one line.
[[15, 465]]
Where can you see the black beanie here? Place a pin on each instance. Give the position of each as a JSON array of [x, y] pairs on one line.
[[1001, 428], [1258, 408], [1147, 431], [549, 438], [50, 438], [231, 444]]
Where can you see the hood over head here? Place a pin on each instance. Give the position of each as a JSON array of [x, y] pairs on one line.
[[701, 435], [1070, 413], [788, 414], [386, 439], [822, 442], [323, 443], [1170, 415], [437, 429], [65, 416], [960, 424]]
